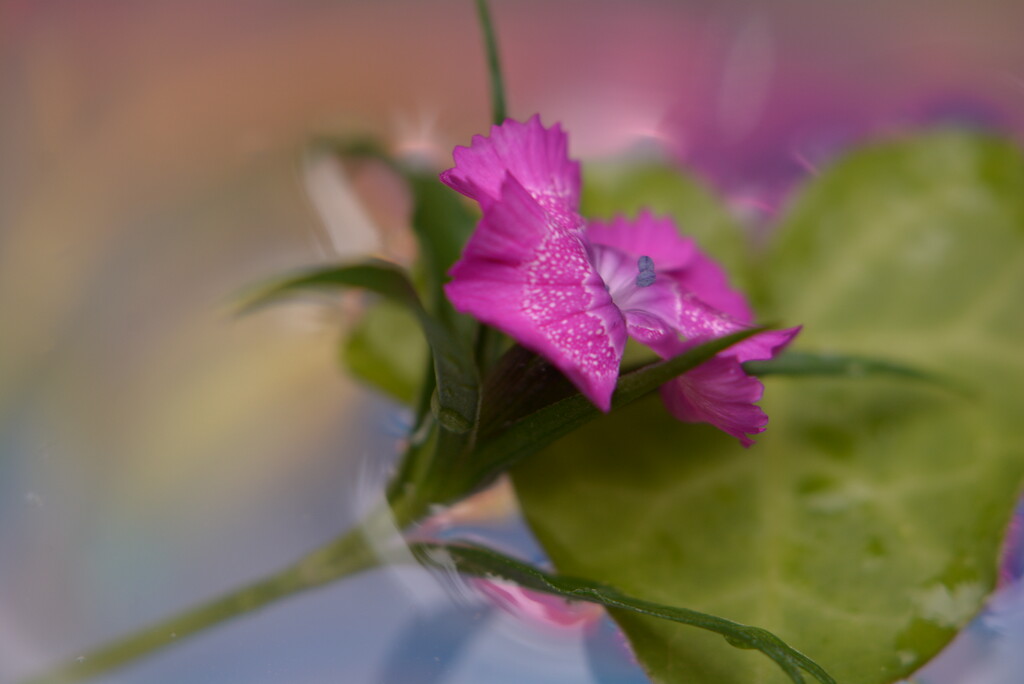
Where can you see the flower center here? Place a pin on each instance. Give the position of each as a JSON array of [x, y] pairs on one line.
[[624, 276], [645, 278]]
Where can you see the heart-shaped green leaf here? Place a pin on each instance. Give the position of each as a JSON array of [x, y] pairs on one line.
[[864, 526]]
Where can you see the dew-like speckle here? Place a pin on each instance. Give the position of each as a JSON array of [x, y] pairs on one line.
[[856, 369], [840, 498], [868, 564], [80, 659], [906, 657], [564, 298], [932, 248], [875, 553], [813, 484], [441, 560], [950, 607]]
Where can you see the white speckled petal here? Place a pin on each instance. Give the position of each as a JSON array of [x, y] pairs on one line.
[[696, 320], [525, 274]]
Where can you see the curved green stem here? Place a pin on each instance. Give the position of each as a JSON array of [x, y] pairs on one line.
[[375, 540], [357, 550]]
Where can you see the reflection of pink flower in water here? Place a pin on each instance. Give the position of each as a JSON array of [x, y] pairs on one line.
[[486, 507], [496, 503], [573, 292], [539, 608]]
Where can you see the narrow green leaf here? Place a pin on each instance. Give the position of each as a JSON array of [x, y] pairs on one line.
[[502, 445], [636, 384], [381, 277], [453, 362], [484, 562], [800, 363], [493, 63], [423, 400]]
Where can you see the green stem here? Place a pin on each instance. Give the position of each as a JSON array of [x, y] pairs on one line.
[[357, 550], [488, 348], [493, 63], [488, 341]]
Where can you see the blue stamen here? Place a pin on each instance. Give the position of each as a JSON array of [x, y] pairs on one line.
[[646, 276]]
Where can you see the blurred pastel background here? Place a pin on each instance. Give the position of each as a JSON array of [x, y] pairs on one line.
[[156, 450]]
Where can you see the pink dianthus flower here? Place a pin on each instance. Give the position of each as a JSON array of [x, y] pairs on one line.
[[573, 290]]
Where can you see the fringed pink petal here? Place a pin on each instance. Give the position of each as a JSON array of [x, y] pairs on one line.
[[647, 328], [536, 156], [762, 346], [658, 238], [718, 392]]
